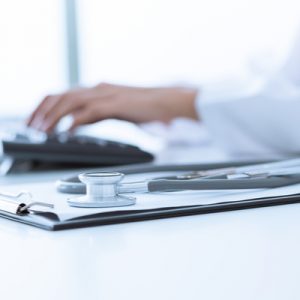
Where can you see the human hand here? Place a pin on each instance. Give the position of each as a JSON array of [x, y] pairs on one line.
[[89, 105]]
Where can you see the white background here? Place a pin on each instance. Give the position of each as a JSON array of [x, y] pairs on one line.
[[157, 41], [143, 42], [32, 60]]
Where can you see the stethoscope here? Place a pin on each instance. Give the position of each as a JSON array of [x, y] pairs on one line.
[[106, 189]]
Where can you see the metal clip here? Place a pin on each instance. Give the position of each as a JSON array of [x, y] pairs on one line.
[[27, 207], [15, 203]]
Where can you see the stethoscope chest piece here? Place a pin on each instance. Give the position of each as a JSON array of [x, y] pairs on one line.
[[101, 191]]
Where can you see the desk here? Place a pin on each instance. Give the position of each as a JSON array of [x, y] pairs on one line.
[[251, 254]]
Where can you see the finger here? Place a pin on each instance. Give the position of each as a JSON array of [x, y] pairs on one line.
[[67, 104], [36, 119], [73, 101], [37, 115], [81, 117], [37, 112], [32, 116], [91, 115]]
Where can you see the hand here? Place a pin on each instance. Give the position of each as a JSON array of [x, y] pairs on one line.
[[89, 105]]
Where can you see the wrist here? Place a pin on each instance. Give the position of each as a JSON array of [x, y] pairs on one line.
[[188, 109], [156, 104], [181, 103]]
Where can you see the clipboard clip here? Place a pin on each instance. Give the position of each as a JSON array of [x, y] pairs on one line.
[[15, 204]]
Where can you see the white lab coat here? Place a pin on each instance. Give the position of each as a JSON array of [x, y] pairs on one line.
[[260, 119]]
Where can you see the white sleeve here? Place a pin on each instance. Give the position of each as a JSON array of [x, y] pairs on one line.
[[261, 118]]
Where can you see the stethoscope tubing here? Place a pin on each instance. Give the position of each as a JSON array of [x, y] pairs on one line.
[[222, 184], [151, 168], [74, 186]]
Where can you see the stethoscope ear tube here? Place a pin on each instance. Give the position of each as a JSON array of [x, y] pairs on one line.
[[222, 184]]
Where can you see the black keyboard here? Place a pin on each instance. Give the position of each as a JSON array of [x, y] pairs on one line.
[[72, 150]]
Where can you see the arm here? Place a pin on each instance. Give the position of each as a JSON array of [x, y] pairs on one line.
[[261, 119], [261, 122], [89, 105]]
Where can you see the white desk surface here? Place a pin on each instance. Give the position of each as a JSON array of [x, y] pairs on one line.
[[250, 254]]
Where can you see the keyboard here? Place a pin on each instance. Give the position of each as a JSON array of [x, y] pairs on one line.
[[68, 149]]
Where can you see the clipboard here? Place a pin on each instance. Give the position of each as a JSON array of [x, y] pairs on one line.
[[148, 206], [48, 220]]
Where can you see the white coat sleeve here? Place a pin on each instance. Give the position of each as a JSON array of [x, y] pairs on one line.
[[261, 119]]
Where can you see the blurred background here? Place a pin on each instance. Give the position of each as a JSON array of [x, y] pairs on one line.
[[48, 46]]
